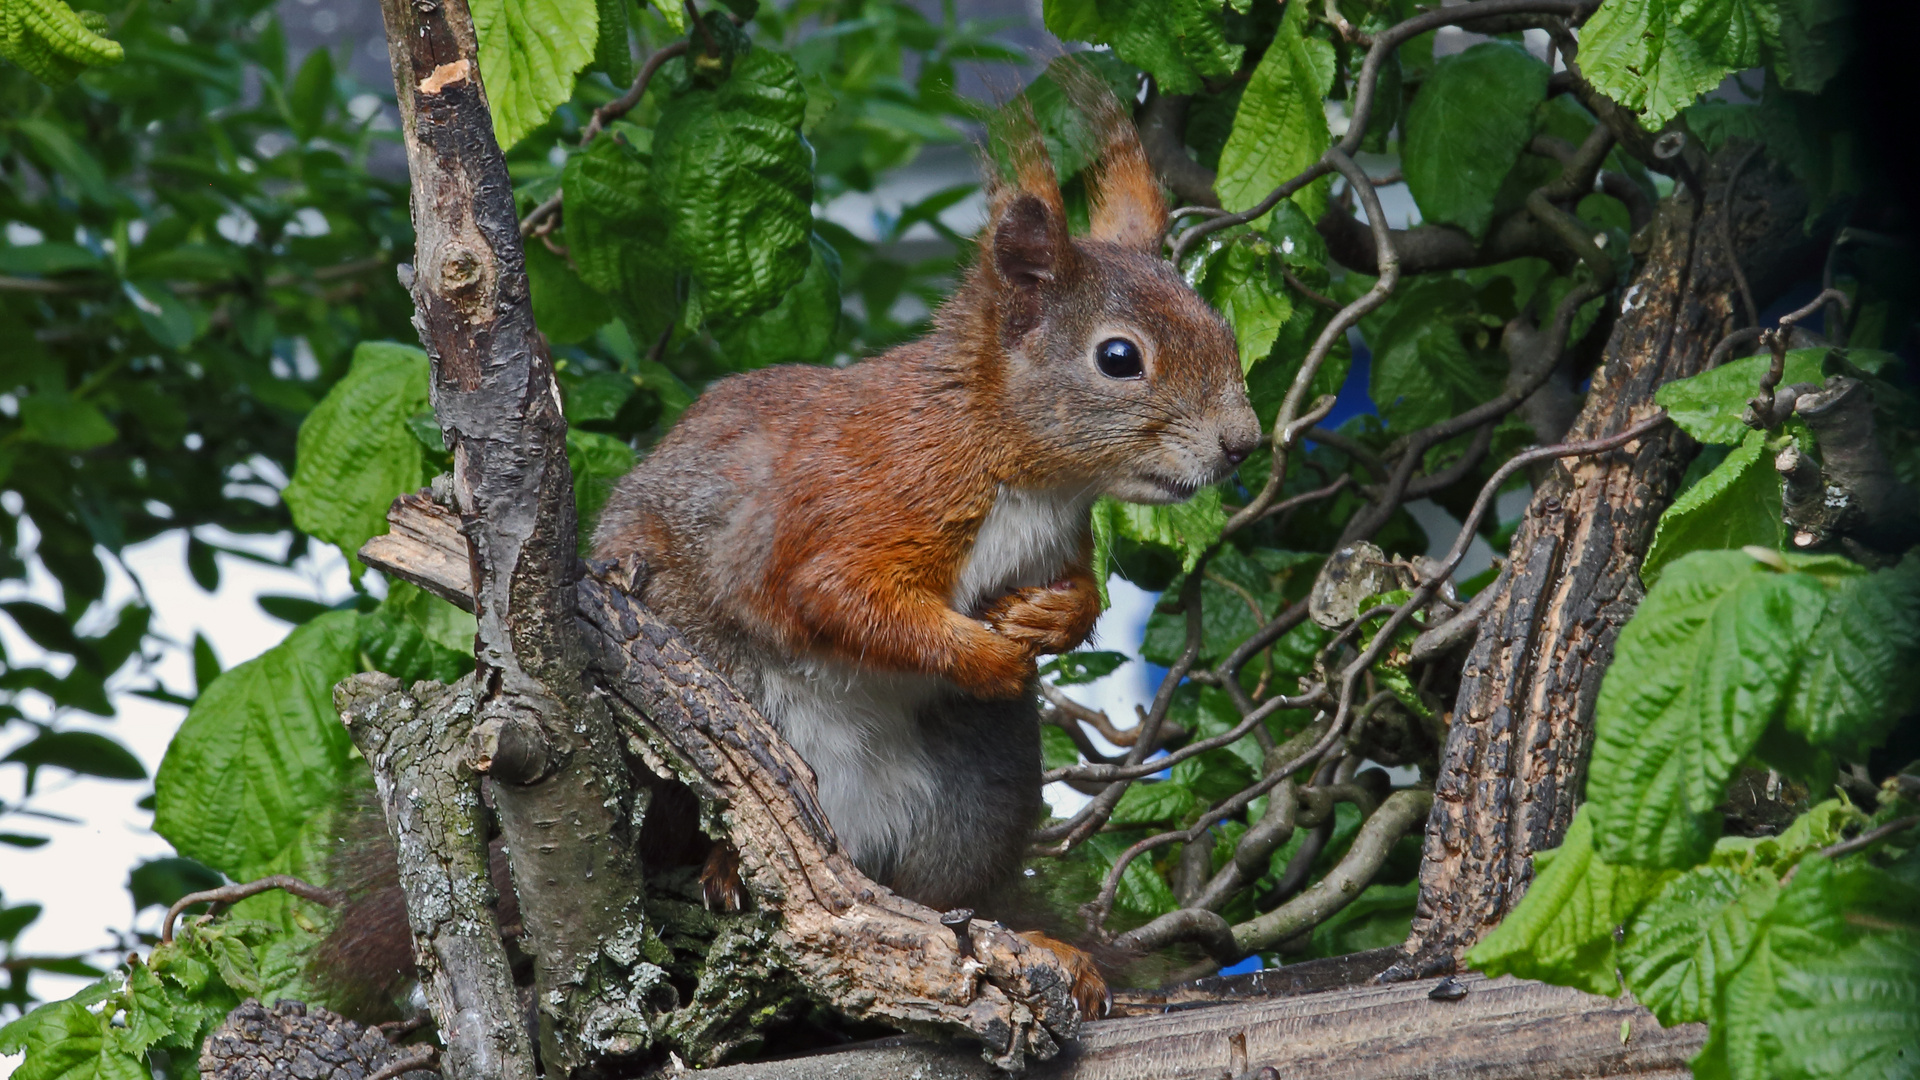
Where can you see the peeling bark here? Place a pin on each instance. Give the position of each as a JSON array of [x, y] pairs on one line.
[[1522, 728], [868, 952]]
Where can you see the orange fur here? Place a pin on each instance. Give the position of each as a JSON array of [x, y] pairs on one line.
[[1089, 990]]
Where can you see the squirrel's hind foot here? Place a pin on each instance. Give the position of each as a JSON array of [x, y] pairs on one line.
[[1089, 990]]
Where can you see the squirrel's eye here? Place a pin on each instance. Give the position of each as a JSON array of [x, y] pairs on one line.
[[1119, 359]]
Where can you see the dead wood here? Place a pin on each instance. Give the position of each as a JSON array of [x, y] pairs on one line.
[[1498, 1029]]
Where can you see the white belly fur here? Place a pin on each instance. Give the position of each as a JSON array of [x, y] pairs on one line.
[[857, 729]]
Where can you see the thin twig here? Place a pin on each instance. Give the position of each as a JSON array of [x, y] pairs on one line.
[[1301, 287], [228, 894], [604, 115], [1870, 837], [422, 1055]]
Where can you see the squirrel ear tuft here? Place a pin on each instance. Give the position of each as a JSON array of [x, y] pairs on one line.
[[1127, 208]]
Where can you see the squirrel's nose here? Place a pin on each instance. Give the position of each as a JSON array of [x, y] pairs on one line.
[[1238, 444]]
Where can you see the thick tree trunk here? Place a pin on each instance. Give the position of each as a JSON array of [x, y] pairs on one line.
[[1515, 760]]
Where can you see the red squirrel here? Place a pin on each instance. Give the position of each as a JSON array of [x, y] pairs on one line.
[[876, 555]]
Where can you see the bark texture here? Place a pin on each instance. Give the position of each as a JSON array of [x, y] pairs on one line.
[[1515, 760], [292, 1040], [415, 742], [1500, 1029], [870, 953]]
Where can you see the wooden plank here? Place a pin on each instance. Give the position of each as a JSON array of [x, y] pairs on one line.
[[1506, 1028]]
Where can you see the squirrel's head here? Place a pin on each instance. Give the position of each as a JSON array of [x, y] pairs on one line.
[[1115, 372]]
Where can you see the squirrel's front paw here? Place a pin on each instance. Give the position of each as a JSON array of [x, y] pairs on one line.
[[1047, 618]]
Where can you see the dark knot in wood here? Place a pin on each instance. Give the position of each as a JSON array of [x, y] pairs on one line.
[[460, 272]]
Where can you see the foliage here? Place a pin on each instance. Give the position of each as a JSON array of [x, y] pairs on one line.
[[1740, 655], [210, 310]]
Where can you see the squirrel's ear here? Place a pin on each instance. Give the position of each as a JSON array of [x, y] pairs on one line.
[[1127, 208], [1126, 205], [1028, 247], [1027, 241]]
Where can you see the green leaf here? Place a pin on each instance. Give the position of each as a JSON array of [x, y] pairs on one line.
[[612, 52], [564, 307], [55, 148], [1143, 893], [53, 42], [1467, 127], [1709, 405], [355, 453], [165, 317], [1148, 802], [159, 882], [1057, 750], [1862, 666], [1656, 57], [67, 1040], [1071, 138], [1640, 54], [415, 635], [48, 258], [674, 13], [1076, 668], [1562, 931], [1381, 916], [800, 328], [1241, 282], [1690, 939], [1179, 42], [1698, 673], [1422, 371], [85, 752], [737, 182], [1280, 127], [1735, 505], [1187, 528], [64, 422], [616, 233], [1855, 1013], [530, 50], [311, 92], [16, 918], [598, 462], [260, 753]]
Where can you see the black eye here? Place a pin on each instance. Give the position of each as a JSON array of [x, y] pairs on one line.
[[1119, 359]]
